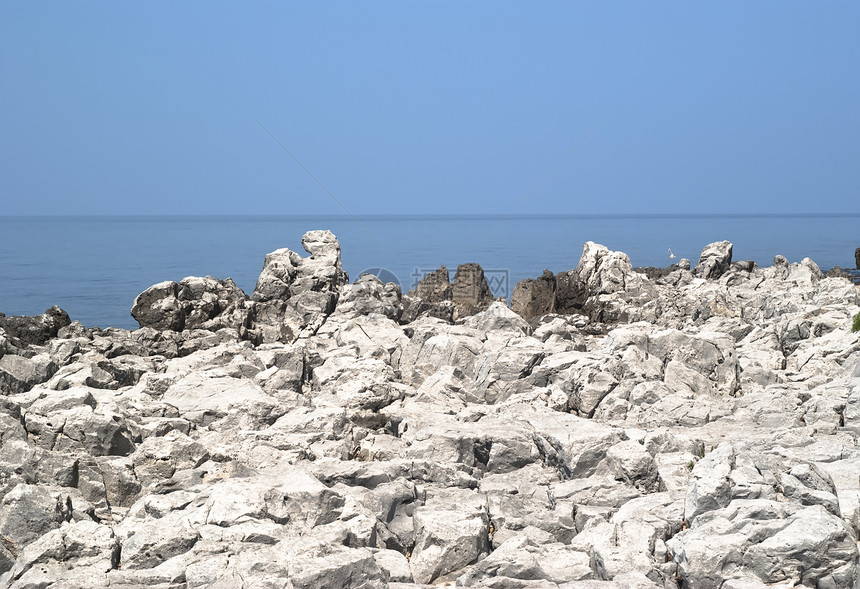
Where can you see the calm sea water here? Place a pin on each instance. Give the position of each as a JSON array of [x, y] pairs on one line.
[[93, 267]]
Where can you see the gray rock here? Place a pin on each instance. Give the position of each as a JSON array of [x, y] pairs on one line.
[[85, 546], [470, 293], [285, 371], [154, 542], [203, 398], [534, 297], [294, 295], [769, 541], [280, 268], [28, 511], [431, 347], [394, 565], [37, 330], [632, 464], [369, 295], [47, 404], [434, 287], [573, 445], [570, 293], [499, 318], [115, 476], [210, 303], [632, 544], [63, 350], [521, 558], [358, 384], [99, 432], [159, 307], [415, 308], [714, 260], [710, 483], [594, 491], [523, 503], [794, 489], [558, 328], [159, 457], [19, 374], [449, 535], [498, 374], [614, 292], [300, 500], [334, 566]]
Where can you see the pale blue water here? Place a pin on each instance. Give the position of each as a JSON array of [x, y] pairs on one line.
[[93, 267]]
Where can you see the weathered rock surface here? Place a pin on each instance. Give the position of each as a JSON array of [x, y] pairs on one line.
[[535, 298], [714, 261], [438, 297], [614, 429], [292, 297], [24, 331]]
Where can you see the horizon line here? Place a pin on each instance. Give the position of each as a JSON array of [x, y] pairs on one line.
[[428, 216]]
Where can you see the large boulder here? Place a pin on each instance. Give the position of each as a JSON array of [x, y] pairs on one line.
[[193, 303], [280, 268], [292, 297], [19, 374], [435, 287], [205, 397], [415, 307], [159, 307], [613, 291], [28, 511], [369, 295], [570, 293], [769, 542], [631, 544], [315, 567], [450, 532], [24, 330], [535, 297], [520, 557], [715, 260], [78, 554], [435, 296], [295, 295], [211, 303], [98, 432], [471, 293]]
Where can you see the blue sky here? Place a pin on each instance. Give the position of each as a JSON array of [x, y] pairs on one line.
[[429, 107]]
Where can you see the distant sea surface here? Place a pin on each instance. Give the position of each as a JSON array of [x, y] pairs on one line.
[[93, 267]]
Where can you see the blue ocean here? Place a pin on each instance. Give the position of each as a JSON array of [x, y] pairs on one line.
[[93, 267]]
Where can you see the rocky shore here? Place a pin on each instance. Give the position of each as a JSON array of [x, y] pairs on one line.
[[613, 428]]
